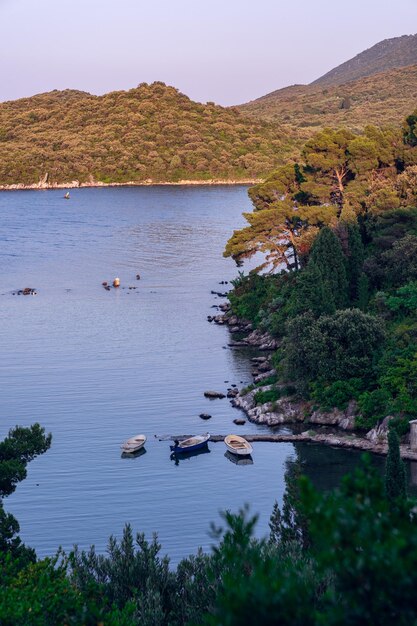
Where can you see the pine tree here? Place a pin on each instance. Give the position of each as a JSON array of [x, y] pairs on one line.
[[395, 476], [328, 255]]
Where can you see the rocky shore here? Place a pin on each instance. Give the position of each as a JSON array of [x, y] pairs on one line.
[[340, 424]]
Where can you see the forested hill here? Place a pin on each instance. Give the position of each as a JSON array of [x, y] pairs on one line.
[[385, 55], [379, 99], [151, 132]]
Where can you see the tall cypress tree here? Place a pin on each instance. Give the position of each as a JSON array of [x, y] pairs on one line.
[[328, 255], [356, 253], [395, 477], [312, 293]]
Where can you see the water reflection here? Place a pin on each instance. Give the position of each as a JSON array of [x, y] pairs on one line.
[[239, 460], [186, 456], [133, 455]]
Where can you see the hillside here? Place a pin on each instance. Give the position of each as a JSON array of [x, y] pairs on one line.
[[385, 55], [150, 132], [379, 99]]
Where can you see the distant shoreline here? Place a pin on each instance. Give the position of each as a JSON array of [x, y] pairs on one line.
[[75, 184]]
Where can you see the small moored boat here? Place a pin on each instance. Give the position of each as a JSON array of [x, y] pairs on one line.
[[238, 445], [134, 444], [191, 444]]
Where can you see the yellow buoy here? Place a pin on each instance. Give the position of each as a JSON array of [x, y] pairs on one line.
[[116, 282]]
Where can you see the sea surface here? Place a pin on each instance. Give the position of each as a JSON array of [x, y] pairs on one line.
[[95, 367]]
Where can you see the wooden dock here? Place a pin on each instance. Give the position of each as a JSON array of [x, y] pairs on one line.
[[340, 440]]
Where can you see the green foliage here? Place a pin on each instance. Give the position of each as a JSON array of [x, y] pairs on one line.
[[332, 348], [399, 263], [270, 395], [366, 544], [20, 447], [363, 292], [355, 259], [410, 130], [312, 293], [10, 542], [395, 476], [327, 254], [373, 407], [337, 394], [16, 451], [251, 294], [150, 132], [404, 300], [42, 593], [132, 568], [260, 584]]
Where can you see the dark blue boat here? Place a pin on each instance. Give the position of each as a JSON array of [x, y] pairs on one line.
[[198, 442]]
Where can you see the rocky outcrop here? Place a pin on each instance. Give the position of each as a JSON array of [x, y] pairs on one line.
[[342, 419], [283, 411], [379, 434], [256, 338]]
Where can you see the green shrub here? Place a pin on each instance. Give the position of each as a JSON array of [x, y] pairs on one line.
[[373, 406], [401, 425], [337, 394], [262, 397]]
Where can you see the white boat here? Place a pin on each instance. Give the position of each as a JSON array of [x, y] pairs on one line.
[[238, 445], [134, 444]]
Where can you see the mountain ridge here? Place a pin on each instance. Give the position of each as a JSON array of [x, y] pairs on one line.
[[387, 54], [377, 99]]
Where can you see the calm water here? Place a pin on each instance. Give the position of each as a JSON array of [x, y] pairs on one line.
[[95, 367]]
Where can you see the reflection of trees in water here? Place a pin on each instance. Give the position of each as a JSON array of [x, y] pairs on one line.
[[325, 466], [241, 356]]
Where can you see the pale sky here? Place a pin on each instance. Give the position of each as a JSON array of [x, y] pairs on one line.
[[229, 51]]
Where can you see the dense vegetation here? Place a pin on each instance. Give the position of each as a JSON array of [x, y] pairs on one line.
[[330, 559], [341, 225], [380, 99], [152, 132]]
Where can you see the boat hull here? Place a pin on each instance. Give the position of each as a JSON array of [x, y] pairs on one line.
[[185, 449]]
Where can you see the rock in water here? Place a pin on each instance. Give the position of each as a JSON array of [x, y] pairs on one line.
[[205, 416], [214, 394]]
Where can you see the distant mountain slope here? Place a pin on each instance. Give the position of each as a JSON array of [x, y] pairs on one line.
[[379, 99], [151, 132], [385, 55]]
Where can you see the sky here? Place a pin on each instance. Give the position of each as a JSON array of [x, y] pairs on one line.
[[227, 51]]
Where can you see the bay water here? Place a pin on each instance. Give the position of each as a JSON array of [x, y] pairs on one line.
[[95, 367]]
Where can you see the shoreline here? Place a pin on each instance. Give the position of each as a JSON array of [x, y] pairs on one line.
[[290, 411], [75, 184], [352, 442]]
